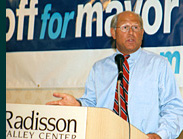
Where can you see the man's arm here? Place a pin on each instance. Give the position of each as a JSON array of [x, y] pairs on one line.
[[171, 104]]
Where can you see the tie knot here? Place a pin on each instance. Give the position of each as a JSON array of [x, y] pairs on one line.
[[126, 56]]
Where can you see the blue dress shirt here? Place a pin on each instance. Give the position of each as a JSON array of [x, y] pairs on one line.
[[154, 101]]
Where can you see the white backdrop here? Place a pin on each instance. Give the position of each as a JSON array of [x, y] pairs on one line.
[[63, 69]]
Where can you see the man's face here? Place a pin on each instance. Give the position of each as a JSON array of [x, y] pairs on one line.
[[130, 41]]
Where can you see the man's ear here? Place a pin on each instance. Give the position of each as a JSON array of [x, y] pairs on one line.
[[113, 33]]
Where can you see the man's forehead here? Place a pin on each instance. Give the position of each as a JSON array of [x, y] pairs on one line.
[[128, 16], [128, 21]]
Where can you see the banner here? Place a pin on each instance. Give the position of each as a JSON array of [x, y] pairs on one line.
[[34, 25], [55, 43]]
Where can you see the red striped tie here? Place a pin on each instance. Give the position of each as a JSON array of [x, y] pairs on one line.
[[123, 90]]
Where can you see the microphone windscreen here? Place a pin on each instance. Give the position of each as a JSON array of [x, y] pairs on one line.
[[119, 58]]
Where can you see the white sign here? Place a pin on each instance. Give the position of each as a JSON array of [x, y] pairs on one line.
[[45, 122]]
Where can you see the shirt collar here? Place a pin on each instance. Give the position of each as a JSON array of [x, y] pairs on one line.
[[133, 57]]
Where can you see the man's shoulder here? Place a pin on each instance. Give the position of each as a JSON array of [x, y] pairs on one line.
[[152, 55], [107, 61], [154, 59]]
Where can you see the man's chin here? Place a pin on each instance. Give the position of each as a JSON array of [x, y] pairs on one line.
[[131, 49]]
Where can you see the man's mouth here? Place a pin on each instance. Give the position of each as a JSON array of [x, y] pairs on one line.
[[130, 40]]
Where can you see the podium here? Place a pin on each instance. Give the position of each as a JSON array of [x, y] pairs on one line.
[[64, 122], [105, 124]]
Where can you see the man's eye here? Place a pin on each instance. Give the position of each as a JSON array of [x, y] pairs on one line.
[[135, 27], [125, 27]]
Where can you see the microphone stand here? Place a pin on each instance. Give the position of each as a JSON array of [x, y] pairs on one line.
[[119, 91], [119, 102]]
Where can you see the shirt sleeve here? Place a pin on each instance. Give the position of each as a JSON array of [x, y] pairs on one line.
[[89, 97], [171, 104]]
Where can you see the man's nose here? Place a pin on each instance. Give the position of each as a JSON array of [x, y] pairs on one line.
[[130, 31]]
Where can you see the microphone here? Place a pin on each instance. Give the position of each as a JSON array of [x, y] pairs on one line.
[[119, 59]]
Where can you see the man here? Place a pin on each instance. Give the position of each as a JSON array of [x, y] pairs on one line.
[[155, 105]]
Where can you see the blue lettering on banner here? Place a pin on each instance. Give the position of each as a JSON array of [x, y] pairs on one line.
[[170, 57], [56, 16], [61, 25], [45, 16]]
